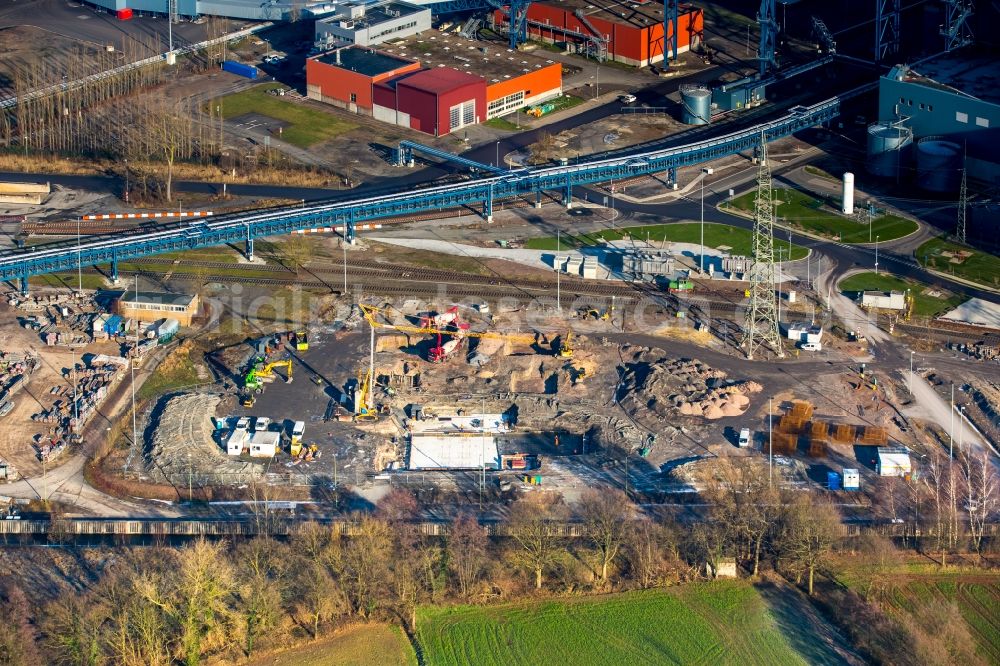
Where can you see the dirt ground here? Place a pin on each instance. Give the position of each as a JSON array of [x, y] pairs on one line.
[[18, 434]]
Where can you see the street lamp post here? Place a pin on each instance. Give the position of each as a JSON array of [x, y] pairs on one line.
[[497, 159], [911, 371], [876, 255]]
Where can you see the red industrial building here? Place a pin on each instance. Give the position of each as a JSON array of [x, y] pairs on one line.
[[435, 101], [454, 84], [625, 31]]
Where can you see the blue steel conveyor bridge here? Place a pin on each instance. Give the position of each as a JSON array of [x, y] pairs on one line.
[[480, 193]]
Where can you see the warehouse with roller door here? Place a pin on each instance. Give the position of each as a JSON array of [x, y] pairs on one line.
[[626, 31], [432, 83]]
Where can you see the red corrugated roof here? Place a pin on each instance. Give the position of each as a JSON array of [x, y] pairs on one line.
[[439, 80]]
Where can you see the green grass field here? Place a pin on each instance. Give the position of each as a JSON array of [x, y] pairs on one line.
[[307, 126], [925, 305], [360, 645], [980, 267], [801, 211], [724, 622], [716, 235]]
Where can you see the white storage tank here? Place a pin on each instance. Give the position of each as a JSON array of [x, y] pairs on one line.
[[887, 143], [847, 207]]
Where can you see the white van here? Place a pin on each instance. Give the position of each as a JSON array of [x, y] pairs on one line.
[[812, 346], [744, 438], [298, 428], [261, 424]]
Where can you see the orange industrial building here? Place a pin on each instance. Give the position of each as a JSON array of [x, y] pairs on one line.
[[432, 82], [625, 31]]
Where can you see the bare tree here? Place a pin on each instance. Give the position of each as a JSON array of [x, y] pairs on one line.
[[936, 480], [980, 481], [746, 506], [606, 515], [876, 556], [194, 598], [257, 591], [467, 544], [72, 628], [649, 549], [17, 639], [534, 528], [809, 531], [316, 596], [365, 564]]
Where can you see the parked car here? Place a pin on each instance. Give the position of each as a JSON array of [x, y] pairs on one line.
[[744, 438], [812, 346], [627, 98]]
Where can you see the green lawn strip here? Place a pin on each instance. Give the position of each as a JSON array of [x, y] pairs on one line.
[[564, 102], [307, 126], [716, 235], [502, 124], [246, 271], [799, 210], [67, 281], [925, 305], [981, 267], [722, 622]]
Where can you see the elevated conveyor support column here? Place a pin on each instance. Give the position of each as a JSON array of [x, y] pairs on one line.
[[488, 206], [349, 227], [568, 197], [114, 267], [670, 17], [768, 21], [249, 251]]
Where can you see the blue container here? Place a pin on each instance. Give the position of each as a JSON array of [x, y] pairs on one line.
[[233, 67], [833, 480], [113, 326]]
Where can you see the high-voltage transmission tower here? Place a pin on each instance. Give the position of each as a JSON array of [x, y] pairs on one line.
[[760, 327], [886, 29], [963, 203], [956, 31]]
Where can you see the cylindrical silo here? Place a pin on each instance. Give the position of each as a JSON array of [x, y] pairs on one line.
[[847, 208], [939, 164], [697, 103], [886, 145]]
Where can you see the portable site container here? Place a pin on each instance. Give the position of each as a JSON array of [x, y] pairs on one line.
[[852, 479], [264, 444], [238, 68], [833, 480]]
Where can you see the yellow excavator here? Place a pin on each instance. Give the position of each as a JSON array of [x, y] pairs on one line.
[[254, 380], [566, 345]]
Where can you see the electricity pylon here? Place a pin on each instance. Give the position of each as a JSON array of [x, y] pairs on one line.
[[760, 326]]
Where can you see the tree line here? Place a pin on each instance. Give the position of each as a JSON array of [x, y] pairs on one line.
[[214, 599], [183, 605]]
